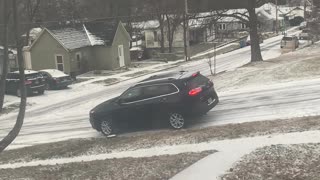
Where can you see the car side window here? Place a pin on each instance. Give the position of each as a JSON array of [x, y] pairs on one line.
[[158, 90], [132, 95]]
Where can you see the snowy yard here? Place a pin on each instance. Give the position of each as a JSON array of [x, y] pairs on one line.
[[301, 161], [299, 65], [155, 168]]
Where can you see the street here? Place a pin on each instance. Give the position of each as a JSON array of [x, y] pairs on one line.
[[66, 115]]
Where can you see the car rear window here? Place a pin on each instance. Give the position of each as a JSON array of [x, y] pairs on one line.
[[33, 76], [197, 81], [287, 38]]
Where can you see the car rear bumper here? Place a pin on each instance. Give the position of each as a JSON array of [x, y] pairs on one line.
[[203, 105], [63, 84], [32, 89]]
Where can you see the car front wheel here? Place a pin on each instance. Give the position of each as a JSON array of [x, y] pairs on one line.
[[41, 91], [106, 127], [176, 120]]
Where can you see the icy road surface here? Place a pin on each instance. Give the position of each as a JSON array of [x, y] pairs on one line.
[[61, 115]]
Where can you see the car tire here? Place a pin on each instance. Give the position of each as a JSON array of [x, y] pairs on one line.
[[47, 86], [106, 127], [41, 91], [177, 120]]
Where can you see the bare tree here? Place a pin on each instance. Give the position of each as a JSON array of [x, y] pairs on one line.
[[173, 23], [249, 18], [158, 8], [7, 140], [254, 37], [5, 16], [209, 61], [32, 8]]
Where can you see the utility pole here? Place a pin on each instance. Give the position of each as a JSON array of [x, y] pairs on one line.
[[215, 58], [305, 10], [277, 30], [186, 31]]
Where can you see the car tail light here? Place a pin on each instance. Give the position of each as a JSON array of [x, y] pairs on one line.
[[195, 74], [27, 82], [195, 91]]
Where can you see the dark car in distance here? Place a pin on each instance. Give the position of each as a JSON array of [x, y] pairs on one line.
[[56, 79], [161, 99], [34, 82]]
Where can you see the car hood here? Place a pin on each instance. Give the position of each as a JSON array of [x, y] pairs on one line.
[[105, 107]]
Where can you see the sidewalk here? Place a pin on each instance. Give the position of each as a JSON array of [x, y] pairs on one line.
[[230, 151]]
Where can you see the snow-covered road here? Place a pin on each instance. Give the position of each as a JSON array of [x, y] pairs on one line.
[[61, 115]]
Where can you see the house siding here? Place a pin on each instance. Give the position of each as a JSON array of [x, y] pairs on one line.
[[44, 51], [103, 57], [120, 39], [154, 42], [87, 59]]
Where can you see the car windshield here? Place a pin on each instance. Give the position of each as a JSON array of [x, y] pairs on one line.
[[56, 73]]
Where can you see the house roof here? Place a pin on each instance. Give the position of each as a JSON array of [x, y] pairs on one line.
[[101, 33], [74, 36], [71, 37]]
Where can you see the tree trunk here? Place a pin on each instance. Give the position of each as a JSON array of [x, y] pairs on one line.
[[5, 54], [6, 141], [161, 22], [185, 41], [254, 37], [169, 33]]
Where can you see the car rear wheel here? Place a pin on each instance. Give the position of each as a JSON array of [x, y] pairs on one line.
[[106, 127], [176, 120]]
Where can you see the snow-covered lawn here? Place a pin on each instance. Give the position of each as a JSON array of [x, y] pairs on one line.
[[146, 168], [230, 151], [299, 65], [300, 161]]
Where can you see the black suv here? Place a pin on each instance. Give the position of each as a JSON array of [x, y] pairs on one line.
[[168, 98], [33, 80]]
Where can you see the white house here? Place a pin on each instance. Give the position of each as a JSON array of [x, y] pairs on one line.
[[202, 29], [152, 34]]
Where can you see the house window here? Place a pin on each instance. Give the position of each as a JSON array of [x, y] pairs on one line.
[[59, 62], [78, 59], [155, 35], [244, 26], [222, 26]]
